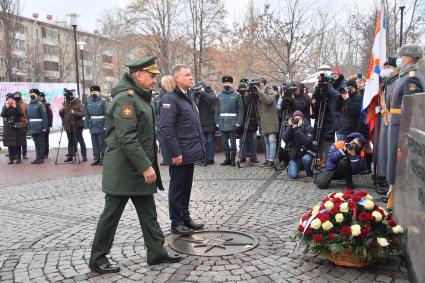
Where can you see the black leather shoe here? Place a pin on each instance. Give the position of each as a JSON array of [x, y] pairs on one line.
[[105, 268], [182, 230], [68, 159], [165, 259], [193, 225], [84, 159]]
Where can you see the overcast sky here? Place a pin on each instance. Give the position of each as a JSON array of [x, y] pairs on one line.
[[90, 10]]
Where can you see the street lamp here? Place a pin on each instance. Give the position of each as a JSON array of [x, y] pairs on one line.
[[82, 44], [401, 7], [73, 17]]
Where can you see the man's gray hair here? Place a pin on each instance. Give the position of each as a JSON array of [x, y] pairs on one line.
[[178, 68]]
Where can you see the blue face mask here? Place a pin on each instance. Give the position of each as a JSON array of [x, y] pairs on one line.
[[399, 63]]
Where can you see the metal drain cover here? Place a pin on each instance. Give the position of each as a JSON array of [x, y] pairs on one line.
[[213, 243]]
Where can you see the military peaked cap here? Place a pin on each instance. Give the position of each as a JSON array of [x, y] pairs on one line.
[[35, 90], [227, 79], [145, 64], [95, 88]]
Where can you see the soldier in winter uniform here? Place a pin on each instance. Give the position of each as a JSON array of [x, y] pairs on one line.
[[95, 122], [228, 117], [130, 168], [38, 125], [49, 122], [410, 81]]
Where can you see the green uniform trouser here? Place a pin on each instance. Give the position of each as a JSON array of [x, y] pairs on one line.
[[108, 223]]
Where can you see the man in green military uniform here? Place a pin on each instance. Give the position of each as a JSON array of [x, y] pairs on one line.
[[130, 167]]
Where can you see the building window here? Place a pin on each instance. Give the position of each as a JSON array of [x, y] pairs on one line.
[[49, 33], [51, 50], [22, 29], [20, 45], [51, 66], [107, 59]]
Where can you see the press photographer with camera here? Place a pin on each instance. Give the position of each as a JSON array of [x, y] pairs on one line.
[[298, 138], [72, 113], [344, 159], [293, 98], [349, 104], [250, 123], [269, 123], [12, 129]]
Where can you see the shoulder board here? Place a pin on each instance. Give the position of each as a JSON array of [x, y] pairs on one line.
[[130, 92], [412, 74]]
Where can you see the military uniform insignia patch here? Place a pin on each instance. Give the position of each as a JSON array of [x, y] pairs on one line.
[[412, 87], [127, 112], [130, 92]]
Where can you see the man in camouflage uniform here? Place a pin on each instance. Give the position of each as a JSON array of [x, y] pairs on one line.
[[410, 81], [130, 168]]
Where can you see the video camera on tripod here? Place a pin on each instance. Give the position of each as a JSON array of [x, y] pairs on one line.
[[68, 95]]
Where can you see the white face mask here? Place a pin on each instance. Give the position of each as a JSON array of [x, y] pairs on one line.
[[386, 73]]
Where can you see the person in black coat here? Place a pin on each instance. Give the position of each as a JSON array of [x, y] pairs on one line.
[[301, 102], [206, 100], [349, 104], [12, 129]]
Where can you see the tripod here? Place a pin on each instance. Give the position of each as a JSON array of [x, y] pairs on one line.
[[75, 153], [318, 142], [251, 107], [277, 164]]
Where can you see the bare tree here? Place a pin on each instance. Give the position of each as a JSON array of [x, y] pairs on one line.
[[66, 55], [115, 24], [10, 10]]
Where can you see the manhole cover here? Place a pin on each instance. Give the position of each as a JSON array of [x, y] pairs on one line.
[[213, 243]]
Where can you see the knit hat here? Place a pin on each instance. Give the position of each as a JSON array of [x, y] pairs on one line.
[[411, 50], [298, 113]]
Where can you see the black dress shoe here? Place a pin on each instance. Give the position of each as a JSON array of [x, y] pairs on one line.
[[193, 225], [105, 268], [84, 159], [68, 159], [165, 259], [182, 230]]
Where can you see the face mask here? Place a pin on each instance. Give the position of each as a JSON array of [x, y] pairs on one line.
[[94, 95], [386, 73], [399, 63], [227, 87], [17, 99], [32, 96]]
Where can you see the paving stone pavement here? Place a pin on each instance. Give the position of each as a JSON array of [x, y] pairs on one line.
[[47, 228]]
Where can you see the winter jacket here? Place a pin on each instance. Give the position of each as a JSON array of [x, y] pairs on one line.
[[301, 102], [206, 105], [24, 119], [350, 113], [12, 136], [297, 138], [331, 116], [95, 115], [266, 111], [37, 117], [180, 128], [72, 121], [229, 110], [130, 141], [340, 82], [336, 153]]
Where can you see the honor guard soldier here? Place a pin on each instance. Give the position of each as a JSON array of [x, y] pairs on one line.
[[95, 122], [37, 125], [410, 81], [130, 168], [228, 117], [49, 123]]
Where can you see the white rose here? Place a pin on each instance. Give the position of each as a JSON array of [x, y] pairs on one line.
[[315, 210], [339, 217], [315, 224], [369, 204], [343, 207], [327, 225], [385, 212], [368, 197], [329, 205], [338, 195], [377, 215], [398, 229], [355, 230], [382, 242]]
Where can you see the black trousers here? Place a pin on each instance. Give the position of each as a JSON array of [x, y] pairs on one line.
[[39, 145], [341, 172], [46, 143], [72, 143], [181, 178]]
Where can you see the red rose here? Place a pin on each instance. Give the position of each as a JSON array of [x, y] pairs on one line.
[[351, 204], [308, 231], [318, 238], [334, 211], [306, 217], [392, 223], [362, 194], [323, 217], [349, 191], [365, 216], [365, 231], [300, 228], [336, 201], [356, 198], [373, 244], [331, 236], [332, 195], [346, 196], [346, 231]]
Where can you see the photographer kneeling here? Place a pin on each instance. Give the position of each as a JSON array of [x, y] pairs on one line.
[[343, 161], [298, 137]]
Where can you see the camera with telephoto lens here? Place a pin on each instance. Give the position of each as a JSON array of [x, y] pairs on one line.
[[352, 146], [68, 94], [295, 121], [252, 87]]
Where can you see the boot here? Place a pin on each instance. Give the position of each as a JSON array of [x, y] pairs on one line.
[[232, 159], [368, 167], [226, 161], [68, 158], [383, 186], [95, 161], [100, 161], [10, 160], [84, 159], [18, 160]]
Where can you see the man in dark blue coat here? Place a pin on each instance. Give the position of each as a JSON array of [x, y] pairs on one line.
[[95, 122], [183, 146], [349, 105], [37, 125]]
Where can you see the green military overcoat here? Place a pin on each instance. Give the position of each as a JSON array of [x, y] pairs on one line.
[[130, 141]]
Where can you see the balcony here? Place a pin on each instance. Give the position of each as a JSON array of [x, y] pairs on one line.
[[52, 74], [107, 66], [50, 41], [51, 58], [20, 36], [19, 53]]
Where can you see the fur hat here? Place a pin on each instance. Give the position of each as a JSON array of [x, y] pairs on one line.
[[227, 79], [411, 50], [95, 88], [168, 83]]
